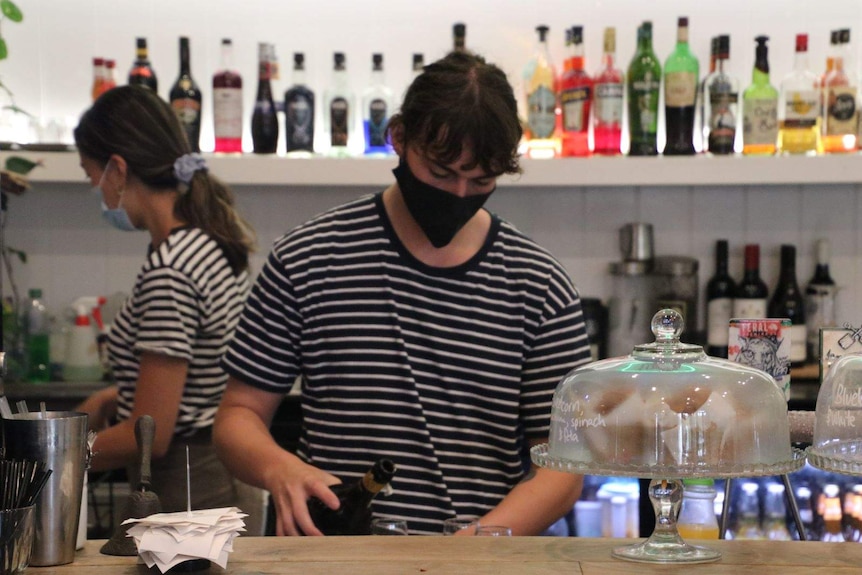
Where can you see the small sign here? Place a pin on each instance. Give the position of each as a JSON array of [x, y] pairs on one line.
[[764, 344], [838, 341]]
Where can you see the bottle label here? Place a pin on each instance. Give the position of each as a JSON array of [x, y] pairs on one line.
[[802, 109], [227, 112], [759, 121], [540, 114], [609, 103], [749, 308], [299, 123], [722, 121], [338, 114], [377, 118], [187, 110], [841, 110], [574, 104], [718, 314], [764, 344], [645, 92], [680, 89]]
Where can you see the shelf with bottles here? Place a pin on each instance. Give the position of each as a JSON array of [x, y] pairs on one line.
[[596, 171]]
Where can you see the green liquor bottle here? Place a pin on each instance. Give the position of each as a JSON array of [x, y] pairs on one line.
[[681, 71], [644, 83], [760, 107]]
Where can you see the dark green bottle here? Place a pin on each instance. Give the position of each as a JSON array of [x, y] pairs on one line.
[[644, 84]]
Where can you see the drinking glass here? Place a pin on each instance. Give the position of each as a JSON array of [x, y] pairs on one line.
[[493, 531], [456, 524], [389, 526]]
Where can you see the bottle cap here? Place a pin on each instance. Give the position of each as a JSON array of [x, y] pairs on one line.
[[577, 34], [459, 29], [338, 58], [802, 42], [141, 42], [610, 40], [298, 61], [377, 61], [543, 32], [682, 22], [98, 61], [110, 64], [418, 61], [724, 46], [226, 42], [835, 37], [845, 36]]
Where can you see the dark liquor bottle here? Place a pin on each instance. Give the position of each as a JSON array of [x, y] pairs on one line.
[[749, 301], [227, 103], [353, 516], [264, 120], [787, 302], [644, 83], [376, 109], [459, 37], [681, 72], [185, 98], [142, 73], [720, 290], [299, 111], [820, 300]]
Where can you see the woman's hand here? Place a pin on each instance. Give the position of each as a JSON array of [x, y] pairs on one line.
[[290, 487], [101, 408]]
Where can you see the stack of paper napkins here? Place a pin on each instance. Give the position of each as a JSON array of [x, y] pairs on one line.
[[167, 539]]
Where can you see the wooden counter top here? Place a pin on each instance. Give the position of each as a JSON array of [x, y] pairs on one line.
[[482, 555]]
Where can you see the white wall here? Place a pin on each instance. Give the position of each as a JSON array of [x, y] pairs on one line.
[[73, 253]]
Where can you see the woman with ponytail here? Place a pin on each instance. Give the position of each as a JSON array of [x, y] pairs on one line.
[[166, 343]]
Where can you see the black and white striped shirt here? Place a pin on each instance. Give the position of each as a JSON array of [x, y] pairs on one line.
[[186, 303], [448, 372]]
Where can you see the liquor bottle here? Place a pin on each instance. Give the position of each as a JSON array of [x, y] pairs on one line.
[[376, 109], [264, 120], [787, 302], [681, 74], [819, 300], [299, 112], [353, 516], [185, 98], [608, 100], [459, 37], [644, 84], [576, 88], [840, 101], [799, 106], [748, 522], [760, 107], [110, 81], [749, 300], [832, 515], [722, 103], [418, 64], [37, 329], [702, 120], [98, 78], [227, 103], [775, 514], [339, 108], [697, 518], [720, 291], [142, 73], [540, 97]]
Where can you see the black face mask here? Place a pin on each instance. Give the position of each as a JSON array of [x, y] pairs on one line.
[[441, 215]]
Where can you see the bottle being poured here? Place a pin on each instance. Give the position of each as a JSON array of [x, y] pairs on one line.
[[353, 516]]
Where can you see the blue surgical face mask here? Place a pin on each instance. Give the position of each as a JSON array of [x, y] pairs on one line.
[[117, 217]]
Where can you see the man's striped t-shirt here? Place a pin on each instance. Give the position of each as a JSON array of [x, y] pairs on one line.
[[448, 372], [185, 303]]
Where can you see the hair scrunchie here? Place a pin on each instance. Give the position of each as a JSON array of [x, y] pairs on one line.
[[185, 167]]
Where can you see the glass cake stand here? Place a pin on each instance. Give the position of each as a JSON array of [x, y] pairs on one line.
[[837, 441]]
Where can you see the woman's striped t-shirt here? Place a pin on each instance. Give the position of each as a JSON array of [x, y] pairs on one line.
[[448, 372], [185, 303]]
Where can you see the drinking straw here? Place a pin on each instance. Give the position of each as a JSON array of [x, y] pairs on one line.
[[36, 488], [5, 410], [22, 406], [188, 485]]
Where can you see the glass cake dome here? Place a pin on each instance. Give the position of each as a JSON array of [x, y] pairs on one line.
[[837, 442], [668, 410]]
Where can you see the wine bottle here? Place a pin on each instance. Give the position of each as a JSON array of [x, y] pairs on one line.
[[142, 72], [722, 103], [353, 516], [749, 300], [339, 110], [575, 99], [264, 121], [299, 112], [681, 72], [819, 300], [787, 302], [608, 100], [376, 109], [227, 103], [720, 291], [644, 83], [185, 98], [760, 107]]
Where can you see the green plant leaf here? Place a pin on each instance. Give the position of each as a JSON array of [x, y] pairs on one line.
[[20, 165], [11, 11], [4, 51]]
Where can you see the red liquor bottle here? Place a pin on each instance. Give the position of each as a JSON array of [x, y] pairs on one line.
[[608, 101], [227, 103], [576, 89]]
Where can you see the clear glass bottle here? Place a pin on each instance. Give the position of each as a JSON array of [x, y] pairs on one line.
[[820, 300], [748, 524], [576, 89], [697, 518], [722, 103], [702, 121], [608, 100], [644, 84], [775, 513], [799, 106], [681, 74], [339, 108], [376, 109], [540, 98], [227, 103], [760, 107], [299, 112], [840, 101]]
